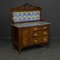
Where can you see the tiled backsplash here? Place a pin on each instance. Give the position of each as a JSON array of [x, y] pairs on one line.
[[26, 16]]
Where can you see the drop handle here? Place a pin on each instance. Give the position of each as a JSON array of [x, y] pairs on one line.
[[45, 27], [44, 39], [35, 40], [35, 28], [35, 34], [45, 32]]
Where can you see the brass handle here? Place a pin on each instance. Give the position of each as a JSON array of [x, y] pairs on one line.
[[35, 34], [35, 28], [45, 27], [35, 40], [44, 39], [45, 32]]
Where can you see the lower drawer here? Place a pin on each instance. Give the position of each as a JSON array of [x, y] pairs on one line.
[[38, 40]]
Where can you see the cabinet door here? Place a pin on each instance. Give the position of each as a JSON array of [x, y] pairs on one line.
[[25, 41]]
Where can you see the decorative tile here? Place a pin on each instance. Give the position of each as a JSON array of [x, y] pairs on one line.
[[26, 16]]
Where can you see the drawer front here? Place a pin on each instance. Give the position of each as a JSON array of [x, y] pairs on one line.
[[39, 33], [44, 33], [34, 40], [43, 39], [38, 40], [44, 27]]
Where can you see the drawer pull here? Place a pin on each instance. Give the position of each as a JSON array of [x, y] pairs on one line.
[[35, 40], [44, 39], [45, 27], [35, 34], [45, 32], [35, 28]]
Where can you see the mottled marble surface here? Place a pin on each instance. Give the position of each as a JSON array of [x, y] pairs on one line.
[[30, 24]]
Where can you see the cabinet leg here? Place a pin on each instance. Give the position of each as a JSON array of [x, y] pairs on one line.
[[19, 50], [14, 46], [47, 45]]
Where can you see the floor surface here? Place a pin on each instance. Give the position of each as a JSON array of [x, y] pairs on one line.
[[40, 53]]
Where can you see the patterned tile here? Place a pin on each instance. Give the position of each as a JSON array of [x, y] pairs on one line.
[[26, 16]]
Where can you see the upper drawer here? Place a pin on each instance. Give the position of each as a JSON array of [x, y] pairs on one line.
[[43, 27]]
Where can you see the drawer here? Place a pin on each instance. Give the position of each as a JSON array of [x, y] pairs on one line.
[[44, 39], [34, 40], [36, 33], [44, 27], [44, 33], [39, 33], [38, 40]]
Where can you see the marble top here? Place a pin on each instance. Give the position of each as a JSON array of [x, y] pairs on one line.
[[30, 24]]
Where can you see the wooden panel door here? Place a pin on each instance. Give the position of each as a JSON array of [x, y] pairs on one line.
[[25, 40]]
